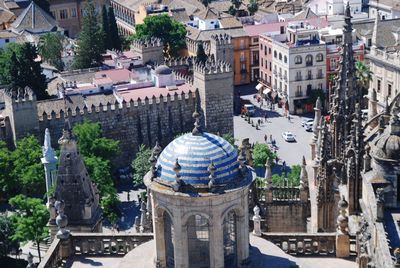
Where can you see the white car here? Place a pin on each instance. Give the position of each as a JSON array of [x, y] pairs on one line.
[[309, 126], [288, 136], [306, 120]]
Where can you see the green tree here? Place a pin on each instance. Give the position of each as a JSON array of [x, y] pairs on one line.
[[292, 178], [106, 28], [229, 138], [19, 69], [114, 36], [97, 152], [7, 181], [28, 169], [171, 32], [30, 220], [50, 48], [141, 164], [261, 153], [236, 3], [90, 40], [201, 56], [6, 232], [364, 76], [252, 7]]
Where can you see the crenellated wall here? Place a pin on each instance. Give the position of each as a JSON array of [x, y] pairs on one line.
[[133, 123]]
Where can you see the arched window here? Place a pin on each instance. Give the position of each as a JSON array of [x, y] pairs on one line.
[[280, 56], [169, 238], [275, 54], [285, 59], [198, 236], [298, 60], [309, 60], [230, 238], [319, 57]]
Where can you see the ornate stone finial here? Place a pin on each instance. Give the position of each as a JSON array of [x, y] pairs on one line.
[[48, 151], [342, 219], [196, 115], [153, 162], [177, 184], [137, 224], [257, 221], [61, 220], [30, 261], [268, 173], [394, 122], [318, 104], [380, 204], [67, 133], [143, 221], [382, 124], [387, 106], [157, 150], [303, 175], [211, 169]]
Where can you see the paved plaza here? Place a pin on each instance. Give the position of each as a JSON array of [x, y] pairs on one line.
[[291, 152]]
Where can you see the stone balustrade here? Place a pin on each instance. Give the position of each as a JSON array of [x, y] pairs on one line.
[[93, 244], [320, 244]]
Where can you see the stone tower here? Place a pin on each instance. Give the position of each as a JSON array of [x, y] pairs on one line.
[[76, 189], [21, 108], [221, 46], [214, 82], [151, 50], [49, 161]]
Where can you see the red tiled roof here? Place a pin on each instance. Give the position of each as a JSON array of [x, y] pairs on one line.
[[116, 75], [149, 92], [255, 30]]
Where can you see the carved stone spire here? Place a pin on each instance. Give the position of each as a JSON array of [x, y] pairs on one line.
[[211, 169], [303, 175], [197, 131], [177, 169], [268, 174], [374, 39], [394, 122], [49, 161]]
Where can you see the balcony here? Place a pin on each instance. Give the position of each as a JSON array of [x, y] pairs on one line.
[[275, 72], [285, 78], [280, 75], [298, 94], [320, 76], [309, 63], [309, 77], [299, 78]]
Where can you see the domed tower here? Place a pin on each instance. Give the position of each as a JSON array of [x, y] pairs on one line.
[[199, 193], [385, 154]]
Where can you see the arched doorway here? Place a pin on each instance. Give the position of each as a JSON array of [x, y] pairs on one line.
[[230, 240], [198, 235], [169, 240]]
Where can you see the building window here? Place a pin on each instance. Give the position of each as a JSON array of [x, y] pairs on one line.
[[319, 57], [309, 75], [230, 240], [242, 56], [298, 60], [320, 74], [320, 86], [266, 64], [275, 54], [285, 59], [270, 66], [241, 43], [298, 92], [261, 47], [378, 86], [63, 14], [369, 42], [390, 90], [282, 28], [169, 238], [333, 64], [309, 60], [255, 39], [269, 50], [198, 240], [262, 63], [280, 56], [298, 75], [73, 12]]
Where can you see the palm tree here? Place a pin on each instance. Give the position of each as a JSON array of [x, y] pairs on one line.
[[364, 76], [50, 48]]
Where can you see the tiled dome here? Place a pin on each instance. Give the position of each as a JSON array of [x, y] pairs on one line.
[[195, 153]]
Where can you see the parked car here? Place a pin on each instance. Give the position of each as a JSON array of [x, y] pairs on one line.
[[309, 126], [288, 136], [305, 121], [249, 109]]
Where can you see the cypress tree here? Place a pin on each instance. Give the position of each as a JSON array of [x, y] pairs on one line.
[[90, 40], [113, 29], [201, 54], [105, 26]]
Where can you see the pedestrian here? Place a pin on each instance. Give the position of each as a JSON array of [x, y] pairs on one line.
[[270, 138], [266, 138], [128, 196], [288, 117], [276, 160], [259, 122], [265, 117]]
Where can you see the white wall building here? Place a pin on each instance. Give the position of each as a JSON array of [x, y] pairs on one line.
[[387, 9]]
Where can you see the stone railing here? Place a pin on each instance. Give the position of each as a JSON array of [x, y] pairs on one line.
[[320, 244], [92, 244]]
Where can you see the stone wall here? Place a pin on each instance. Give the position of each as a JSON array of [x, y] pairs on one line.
[[134, 123], [286, 216]]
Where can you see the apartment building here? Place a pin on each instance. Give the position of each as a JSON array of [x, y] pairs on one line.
[[386, 9], [293, 65], [68, 14]]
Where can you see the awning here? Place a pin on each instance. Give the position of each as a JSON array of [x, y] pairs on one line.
[[267, 90], [259, 86]]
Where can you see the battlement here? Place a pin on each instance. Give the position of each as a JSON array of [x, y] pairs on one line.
[[189, 60], [147, 43], [187, 78], [221, 39], [138, 104], [20, 95], [212, 67]]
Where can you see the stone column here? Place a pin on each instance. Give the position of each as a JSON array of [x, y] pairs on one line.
[[242, 231], [317, 119], [181, 256], [372, 107], [217, 241], [342, 235], [159, 238]]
